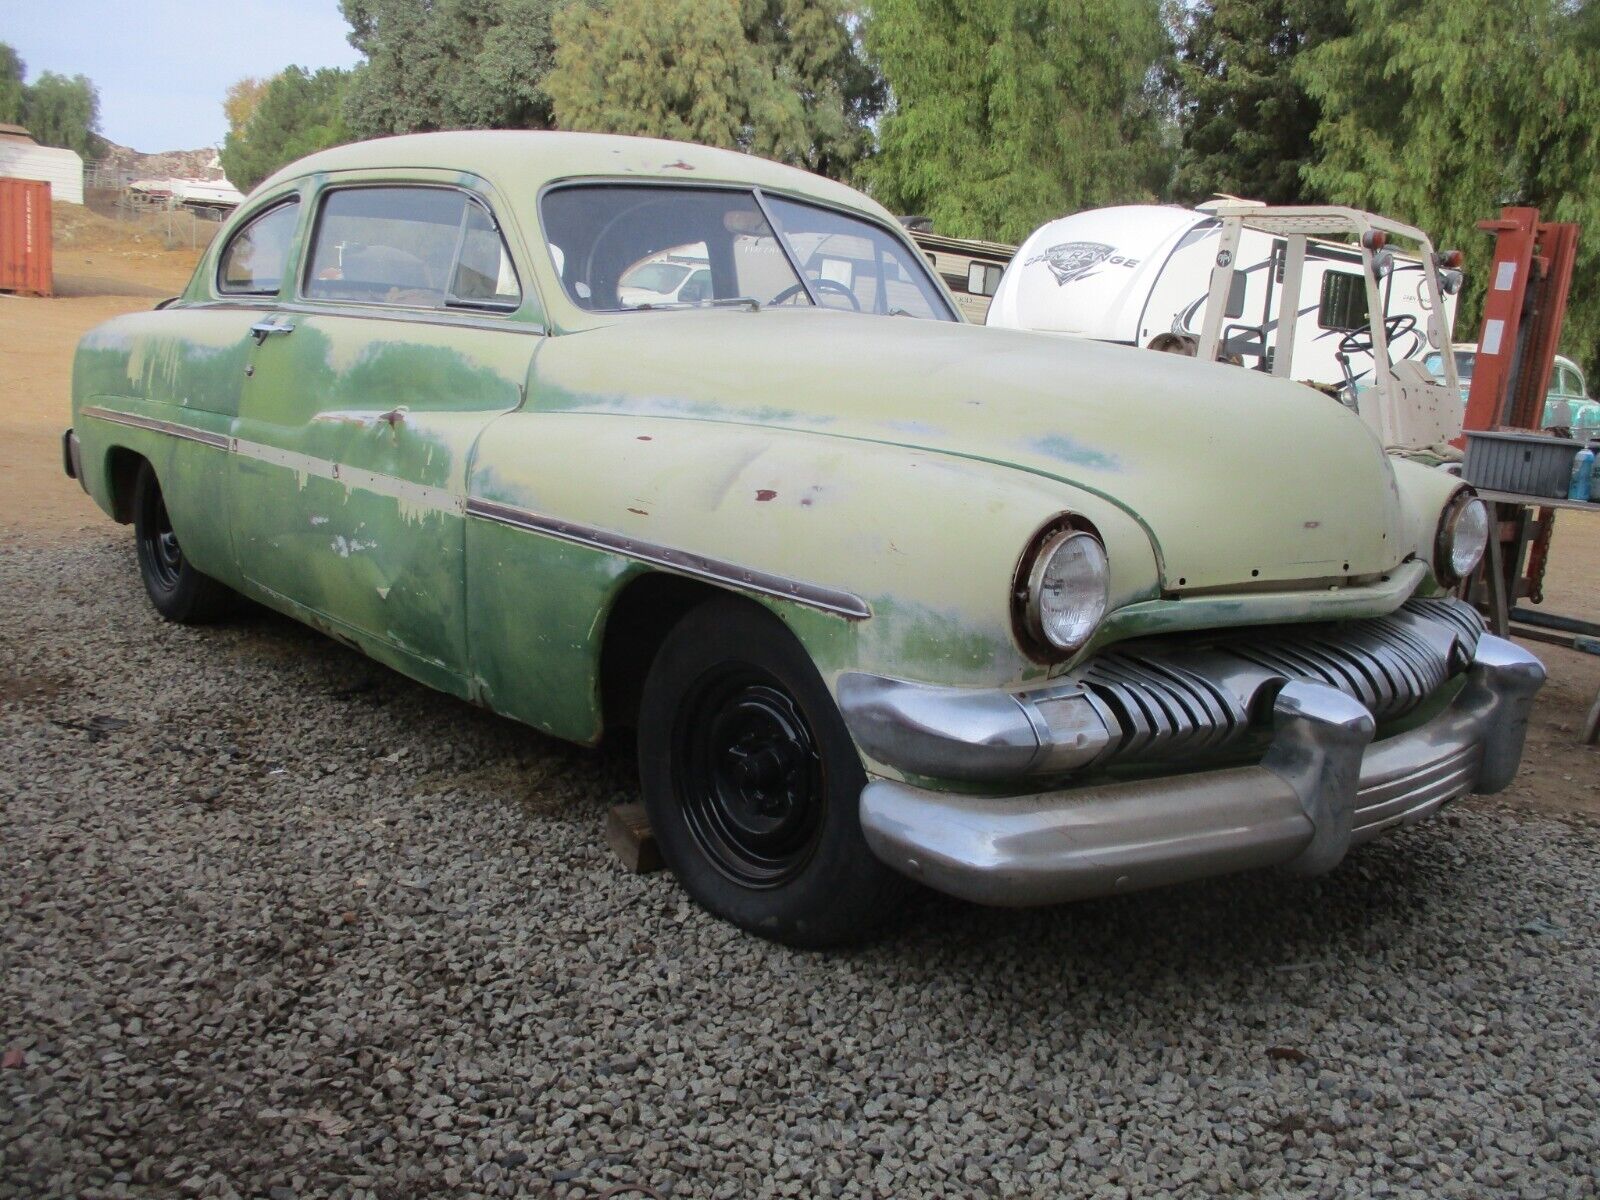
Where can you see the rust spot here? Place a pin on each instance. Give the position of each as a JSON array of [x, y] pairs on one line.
[[644, 437], [640, 511], [680, 165], [805, 502], [764, 495]]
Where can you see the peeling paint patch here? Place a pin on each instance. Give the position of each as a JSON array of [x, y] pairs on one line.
[[1065, 449], [345, 547], [416, 500], [765, 494]]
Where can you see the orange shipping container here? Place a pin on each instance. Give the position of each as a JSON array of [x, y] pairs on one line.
[[25, 264]]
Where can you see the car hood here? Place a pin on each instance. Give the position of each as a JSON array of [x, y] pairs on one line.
[[1241, 480]]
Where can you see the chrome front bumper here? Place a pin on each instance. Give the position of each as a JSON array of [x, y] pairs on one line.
[[1322, 786]]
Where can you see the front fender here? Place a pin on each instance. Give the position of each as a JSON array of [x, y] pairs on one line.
[[928, 542]]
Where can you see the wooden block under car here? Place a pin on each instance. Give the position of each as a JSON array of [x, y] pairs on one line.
[[628, 834]]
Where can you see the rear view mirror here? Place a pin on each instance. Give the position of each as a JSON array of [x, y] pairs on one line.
[[1343, 304]]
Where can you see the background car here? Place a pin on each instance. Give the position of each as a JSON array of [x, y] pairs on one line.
[[666, 280], [1567, 403]]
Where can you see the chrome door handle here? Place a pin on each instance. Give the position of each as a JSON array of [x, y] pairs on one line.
[[262, 330]]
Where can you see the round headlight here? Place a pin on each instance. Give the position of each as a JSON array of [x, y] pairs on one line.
[[1463, 537], [1067, 591]]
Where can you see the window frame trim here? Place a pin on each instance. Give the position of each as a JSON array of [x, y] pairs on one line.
[[277, 204], [492, 312]]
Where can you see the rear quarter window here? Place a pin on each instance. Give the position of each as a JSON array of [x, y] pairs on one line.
[[255, 258]]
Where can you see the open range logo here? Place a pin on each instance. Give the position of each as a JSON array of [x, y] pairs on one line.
[[1073, 260]]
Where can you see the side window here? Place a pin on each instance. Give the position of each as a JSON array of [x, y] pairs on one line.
[[852, 264], [254, 260], [983, 279], [422, 247], [484, 275]]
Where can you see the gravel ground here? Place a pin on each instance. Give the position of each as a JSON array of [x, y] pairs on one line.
[[280, 923]]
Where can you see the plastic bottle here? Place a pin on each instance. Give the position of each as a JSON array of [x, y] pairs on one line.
[[1582, 475]]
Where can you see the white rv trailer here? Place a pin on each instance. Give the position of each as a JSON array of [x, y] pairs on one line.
[[1143, 274]]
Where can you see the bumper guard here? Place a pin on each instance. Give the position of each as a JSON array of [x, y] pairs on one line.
[[1322, 786]]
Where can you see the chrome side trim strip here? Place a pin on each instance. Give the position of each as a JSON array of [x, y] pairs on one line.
[[422, 497], [418, 496], [187, 433], [831, 600]]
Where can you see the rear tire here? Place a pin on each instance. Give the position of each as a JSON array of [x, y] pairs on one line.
[[753, 785], [178, 591]]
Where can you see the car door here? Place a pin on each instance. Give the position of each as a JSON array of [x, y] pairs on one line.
[[408, 333]]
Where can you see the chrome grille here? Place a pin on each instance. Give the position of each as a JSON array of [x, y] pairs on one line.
[[1184, 698], [1382, 663], [1165, 711]]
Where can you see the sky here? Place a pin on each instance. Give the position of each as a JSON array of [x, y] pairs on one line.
[[162, 66]]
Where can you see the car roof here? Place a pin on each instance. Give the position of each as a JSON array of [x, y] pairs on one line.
[[522, 161]]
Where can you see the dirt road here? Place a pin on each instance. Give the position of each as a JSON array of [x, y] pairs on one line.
[[101, 271]]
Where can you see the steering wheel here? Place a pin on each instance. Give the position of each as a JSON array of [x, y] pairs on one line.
[[822, 285], [1359, 341]]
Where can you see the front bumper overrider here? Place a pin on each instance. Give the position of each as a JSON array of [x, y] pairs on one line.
[[1322, 786]]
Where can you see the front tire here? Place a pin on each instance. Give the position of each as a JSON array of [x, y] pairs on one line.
[[753, 785], [178, 591]]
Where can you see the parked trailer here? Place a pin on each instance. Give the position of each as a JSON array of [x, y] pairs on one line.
[[1141, 274], [970, 268], [26, 266]]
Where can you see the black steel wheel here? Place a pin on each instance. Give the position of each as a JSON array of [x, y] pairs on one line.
[[178, 591], [749, 776], [753, 784], [158, 545]]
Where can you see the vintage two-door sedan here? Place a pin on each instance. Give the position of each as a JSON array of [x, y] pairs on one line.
[[886, 597]]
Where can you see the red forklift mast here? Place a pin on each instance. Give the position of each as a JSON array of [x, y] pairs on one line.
[[1524, 305]]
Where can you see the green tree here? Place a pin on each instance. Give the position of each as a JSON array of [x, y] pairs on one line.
[[13, 95], [1006, 113], [1246, 118], [64, 111], [298, 113], [812, 49], [1439, 113], [784, 79], [449, 64]]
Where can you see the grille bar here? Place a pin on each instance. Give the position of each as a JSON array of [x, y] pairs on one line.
[[1177, 699]]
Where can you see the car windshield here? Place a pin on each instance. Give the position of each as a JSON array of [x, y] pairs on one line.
[[1434, 364], [607, 240]]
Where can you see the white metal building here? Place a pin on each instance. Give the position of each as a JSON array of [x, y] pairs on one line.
[[23, 158]]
